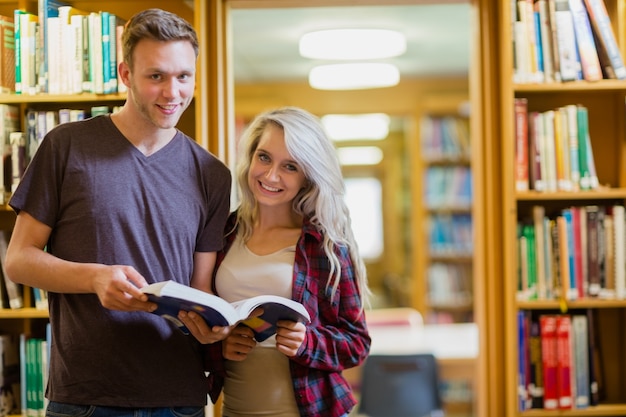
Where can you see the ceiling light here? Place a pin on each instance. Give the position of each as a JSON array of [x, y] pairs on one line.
[[346, 44], [360, 155], [353, 76], [372, 126]]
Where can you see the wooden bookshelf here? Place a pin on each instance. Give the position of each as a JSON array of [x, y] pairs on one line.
[[442, 263], [605, 101]]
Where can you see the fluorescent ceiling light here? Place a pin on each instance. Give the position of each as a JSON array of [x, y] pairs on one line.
[[359, 155], [346, 44], [372, 126], [354, 76]]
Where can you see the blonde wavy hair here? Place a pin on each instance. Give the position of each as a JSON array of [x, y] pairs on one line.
[[322, 200]]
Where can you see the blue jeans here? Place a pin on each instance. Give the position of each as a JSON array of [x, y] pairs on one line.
[[63, 410]]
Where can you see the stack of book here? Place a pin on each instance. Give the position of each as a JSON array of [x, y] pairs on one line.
[[564, 40], [553, 149]]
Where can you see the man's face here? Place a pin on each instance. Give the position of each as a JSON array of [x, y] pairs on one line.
[[162, 80]]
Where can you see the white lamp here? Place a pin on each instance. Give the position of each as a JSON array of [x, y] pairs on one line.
[[351, 44], [370, 126], [353, 76]]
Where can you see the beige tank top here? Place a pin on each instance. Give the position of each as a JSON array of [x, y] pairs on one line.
[[260, 385]]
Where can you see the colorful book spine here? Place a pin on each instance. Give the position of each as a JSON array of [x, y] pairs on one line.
[[605, 36], [592, 71], [547, 328], [569, 63], [564, 361], [521, 144]]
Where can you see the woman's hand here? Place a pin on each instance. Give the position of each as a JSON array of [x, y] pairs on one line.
[[289, 337]]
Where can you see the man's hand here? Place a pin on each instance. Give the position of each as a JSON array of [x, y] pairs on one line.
[[117, 287], [239, 343], [201, 330]]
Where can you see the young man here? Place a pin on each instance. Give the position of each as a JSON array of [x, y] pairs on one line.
[[108, 205]]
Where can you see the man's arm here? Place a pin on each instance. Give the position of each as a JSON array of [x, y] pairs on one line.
[[117, 286]]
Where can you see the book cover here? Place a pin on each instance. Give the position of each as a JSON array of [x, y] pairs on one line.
[[582, 122], [539, 214], [547, 329], [571, 110], [590, 63], [7, 54], [564, 257], [581, 360], [607, 290], [524, 401], [549, 149], [521, 144], [561, 138], [564, 361], [605, 37], [172, 297], [535, 386], [569, 63], [577, 234], [546, 39], [593, 250], [619, 257], [568, 215], [535, 139], [45, 9], [595, 360]]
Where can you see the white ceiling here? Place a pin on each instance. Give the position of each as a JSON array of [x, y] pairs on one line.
[[265, 41]]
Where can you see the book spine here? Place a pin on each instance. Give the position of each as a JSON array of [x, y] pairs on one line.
[[564, 361], [546, 39], [619, 230], [521, 144], [570, 68], [592, 71], [593, 250], [522, 374], [547, 328], [538, 221], [608, 287], [601, 24], [581, 360], [18, 50], [572, 132], [536, 388]]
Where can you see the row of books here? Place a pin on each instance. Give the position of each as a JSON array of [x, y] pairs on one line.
[[24, 371], [553, 150], [564, 40], [449, 283], [60, 50], [448, 187], [445, 137], [450, 234], [557, 358], [577, 253]]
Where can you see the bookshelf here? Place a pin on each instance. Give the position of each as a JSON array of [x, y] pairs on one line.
[[604, 100], [445, 206]]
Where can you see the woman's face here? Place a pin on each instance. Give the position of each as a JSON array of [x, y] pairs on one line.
[[274, 177]]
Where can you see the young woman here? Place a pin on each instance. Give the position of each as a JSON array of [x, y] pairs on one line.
[[291, 236]]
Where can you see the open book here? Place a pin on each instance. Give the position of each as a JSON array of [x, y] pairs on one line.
[[172, 297]]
